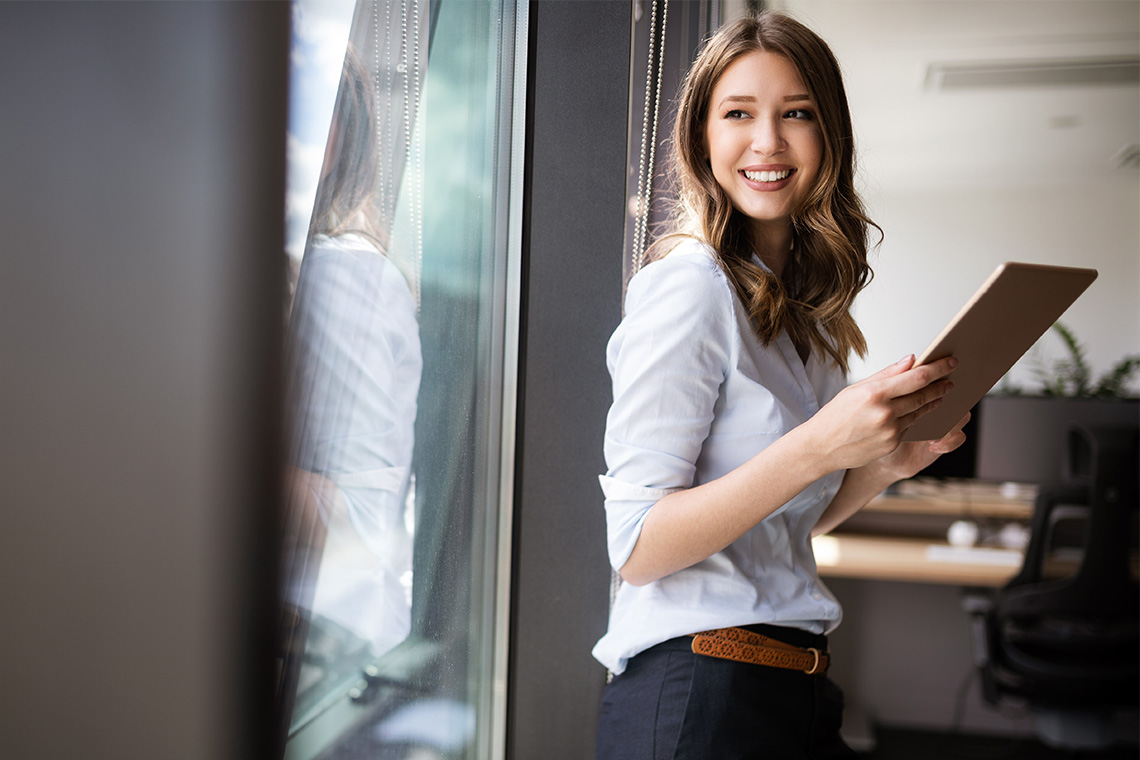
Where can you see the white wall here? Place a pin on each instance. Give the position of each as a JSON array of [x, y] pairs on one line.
[[941, 244]]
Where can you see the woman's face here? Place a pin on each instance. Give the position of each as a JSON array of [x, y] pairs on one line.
[[764, 140]]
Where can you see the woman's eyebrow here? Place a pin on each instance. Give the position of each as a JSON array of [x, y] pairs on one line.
[[751, 99], [737, 99]]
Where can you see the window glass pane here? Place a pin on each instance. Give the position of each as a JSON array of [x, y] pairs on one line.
[[394, 378]]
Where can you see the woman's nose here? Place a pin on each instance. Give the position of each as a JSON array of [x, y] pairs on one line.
[[767, 138]]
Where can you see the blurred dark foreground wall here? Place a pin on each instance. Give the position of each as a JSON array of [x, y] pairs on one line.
[[141, 197]]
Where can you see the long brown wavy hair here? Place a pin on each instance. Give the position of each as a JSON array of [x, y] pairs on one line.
[[828, 266], [346, 199]]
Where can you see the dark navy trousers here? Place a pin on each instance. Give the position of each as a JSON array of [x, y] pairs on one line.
[[671, 704]]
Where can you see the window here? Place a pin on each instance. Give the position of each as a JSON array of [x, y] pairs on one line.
[[401, 354]]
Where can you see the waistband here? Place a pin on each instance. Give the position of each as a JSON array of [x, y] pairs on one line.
[[797, 637]]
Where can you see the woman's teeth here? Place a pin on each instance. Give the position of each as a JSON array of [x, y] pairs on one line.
[[768, 176]]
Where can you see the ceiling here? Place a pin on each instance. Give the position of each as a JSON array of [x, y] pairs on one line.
[[913, 135]]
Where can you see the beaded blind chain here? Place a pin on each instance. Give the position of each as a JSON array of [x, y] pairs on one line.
[[648, 154], [414, 134], [383, 84], [397, 63]]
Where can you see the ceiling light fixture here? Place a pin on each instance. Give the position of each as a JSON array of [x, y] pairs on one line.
[[1076, 72]]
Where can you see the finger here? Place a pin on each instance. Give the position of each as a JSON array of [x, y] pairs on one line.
[[951, 440], [906, 420], [902, 365], [948, 442], [917, 401], [919, 377]]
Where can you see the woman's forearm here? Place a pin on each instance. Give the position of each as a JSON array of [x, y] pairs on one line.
[[859, 487], [688, 526]]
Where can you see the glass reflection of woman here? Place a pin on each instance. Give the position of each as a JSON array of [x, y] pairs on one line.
[[732, 439], [355, 364]]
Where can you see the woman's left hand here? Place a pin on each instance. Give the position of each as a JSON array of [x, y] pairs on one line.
[[910, 458], [865, 483]]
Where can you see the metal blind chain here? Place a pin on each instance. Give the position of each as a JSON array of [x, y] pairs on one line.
[[412, 125], [649, 134], [419, 162]]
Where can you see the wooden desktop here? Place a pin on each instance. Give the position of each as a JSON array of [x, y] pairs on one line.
[[854, 551]]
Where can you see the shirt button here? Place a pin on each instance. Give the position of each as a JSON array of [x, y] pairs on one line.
[[816, 595]]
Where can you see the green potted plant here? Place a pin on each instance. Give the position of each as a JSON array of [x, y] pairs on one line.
[[1071, 377]]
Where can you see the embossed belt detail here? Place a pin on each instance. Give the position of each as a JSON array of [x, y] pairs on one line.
[[742, 645]]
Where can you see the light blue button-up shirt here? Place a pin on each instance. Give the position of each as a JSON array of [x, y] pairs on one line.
[[354, 363], [696, 395]]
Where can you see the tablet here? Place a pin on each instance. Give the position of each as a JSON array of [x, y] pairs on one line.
[[995, 328]]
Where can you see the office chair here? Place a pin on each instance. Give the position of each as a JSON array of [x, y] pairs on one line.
[[1069, 647]]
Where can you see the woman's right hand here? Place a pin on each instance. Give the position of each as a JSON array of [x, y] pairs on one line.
[[866, 420]]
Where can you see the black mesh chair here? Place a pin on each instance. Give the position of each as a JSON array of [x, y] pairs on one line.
[[1068, 646]]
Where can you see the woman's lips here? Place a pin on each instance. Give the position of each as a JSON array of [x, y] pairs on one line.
[[767, 179]]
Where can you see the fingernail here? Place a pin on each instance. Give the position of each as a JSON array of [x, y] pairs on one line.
[[953, 362], [905, 359]]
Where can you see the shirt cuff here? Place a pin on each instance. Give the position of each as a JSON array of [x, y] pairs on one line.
[[627, 505]]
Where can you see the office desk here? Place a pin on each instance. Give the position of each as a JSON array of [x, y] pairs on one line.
[[927, 558], [892, 558]]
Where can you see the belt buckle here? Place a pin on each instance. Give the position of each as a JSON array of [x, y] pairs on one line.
[[815, 665]]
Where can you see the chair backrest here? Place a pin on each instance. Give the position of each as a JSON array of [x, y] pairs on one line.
[[1074, 641]]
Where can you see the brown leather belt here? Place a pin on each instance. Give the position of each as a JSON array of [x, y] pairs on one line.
[[743, 645]]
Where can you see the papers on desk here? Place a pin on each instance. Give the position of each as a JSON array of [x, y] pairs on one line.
[[974, 555]]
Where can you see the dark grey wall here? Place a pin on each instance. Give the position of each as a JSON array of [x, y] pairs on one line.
[[578, 102], [141, 203]]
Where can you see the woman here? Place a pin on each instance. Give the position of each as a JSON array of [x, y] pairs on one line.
[[354, 363], [732, 439]]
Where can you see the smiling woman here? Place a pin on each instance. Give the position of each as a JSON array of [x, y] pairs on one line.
[[731, 439], [826, 216]]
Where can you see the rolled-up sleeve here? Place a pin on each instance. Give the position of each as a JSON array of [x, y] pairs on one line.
[[667, 360]]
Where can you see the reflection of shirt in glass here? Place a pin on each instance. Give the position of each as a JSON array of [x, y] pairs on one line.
[[355, 362], [696, 395]]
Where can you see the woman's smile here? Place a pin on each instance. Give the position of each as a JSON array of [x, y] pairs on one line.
[[766, 177]]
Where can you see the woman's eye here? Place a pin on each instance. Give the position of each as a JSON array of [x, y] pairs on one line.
[[736, 114], [800, 113]]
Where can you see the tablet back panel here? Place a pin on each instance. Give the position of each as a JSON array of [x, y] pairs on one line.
[[1002, 321]]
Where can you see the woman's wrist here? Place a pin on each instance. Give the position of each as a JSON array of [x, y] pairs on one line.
[[810, 452], [878, 475]]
